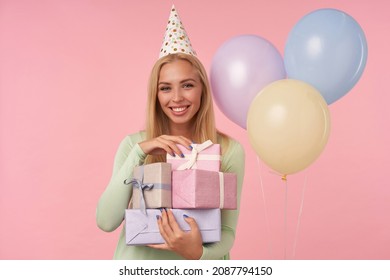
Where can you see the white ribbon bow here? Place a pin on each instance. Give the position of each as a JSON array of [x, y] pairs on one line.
[[193, 157]]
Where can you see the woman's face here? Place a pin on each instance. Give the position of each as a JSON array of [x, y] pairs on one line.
[[179, 92]]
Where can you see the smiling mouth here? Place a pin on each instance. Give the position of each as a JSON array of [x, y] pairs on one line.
[[179, 109]]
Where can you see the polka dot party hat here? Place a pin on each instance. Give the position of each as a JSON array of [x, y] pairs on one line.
[[175, 38]]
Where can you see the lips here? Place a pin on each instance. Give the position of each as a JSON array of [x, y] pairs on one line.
[[179, 110]]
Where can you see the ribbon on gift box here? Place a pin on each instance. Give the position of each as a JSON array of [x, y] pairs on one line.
[[194, 156], [221, 190], [142, 187], [138, 183]]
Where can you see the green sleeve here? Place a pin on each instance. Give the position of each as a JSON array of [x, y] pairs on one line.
[[115, 199], [233, 161]]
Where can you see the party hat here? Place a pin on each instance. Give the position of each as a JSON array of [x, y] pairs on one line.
[[175, 38]]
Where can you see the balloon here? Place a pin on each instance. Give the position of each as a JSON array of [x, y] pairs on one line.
[[327, 49], [240, 68], [288, 125]]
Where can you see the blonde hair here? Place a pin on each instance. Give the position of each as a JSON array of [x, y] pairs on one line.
[[156, 120]]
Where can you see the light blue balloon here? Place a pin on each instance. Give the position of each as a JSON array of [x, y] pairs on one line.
[[327, 49]]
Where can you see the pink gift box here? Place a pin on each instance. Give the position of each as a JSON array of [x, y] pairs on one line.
[[143, 228], [205, 156], [204, 189]]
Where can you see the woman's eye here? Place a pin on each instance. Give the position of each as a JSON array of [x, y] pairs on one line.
[[188, 85], [164, 88]]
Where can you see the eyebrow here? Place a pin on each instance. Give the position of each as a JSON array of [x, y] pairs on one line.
[[181, 82]]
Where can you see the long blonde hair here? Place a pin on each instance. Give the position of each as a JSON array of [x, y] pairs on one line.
[[156, 120]]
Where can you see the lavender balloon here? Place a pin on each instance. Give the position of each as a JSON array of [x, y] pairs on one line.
[[240, 68]]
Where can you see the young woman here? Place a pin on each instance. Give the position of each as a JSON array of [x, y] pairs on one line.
[[180, 111]]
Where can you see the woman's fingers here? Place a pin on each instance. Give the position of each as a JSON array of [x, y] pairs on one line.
[[177, 140], [192, 223], [169, 146], [159, 246], [185, 142], [169, 228], [176, 230], [186, 244], [164, 226], [165, 144]]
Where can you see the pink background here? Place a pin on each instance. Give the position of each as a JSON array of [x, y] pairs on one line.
[[72, 84]]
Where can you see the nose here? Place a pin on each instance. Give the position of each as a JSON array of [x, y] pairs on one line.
[[177, 95]]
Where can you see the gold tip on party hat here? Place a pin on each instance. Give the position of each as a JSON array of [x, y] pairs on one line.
[[175, 38]]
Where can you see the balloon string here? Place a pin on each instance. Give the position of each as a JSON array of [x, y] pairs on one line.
[[285, 221], [299, 216], [265, 210], [283, 176]]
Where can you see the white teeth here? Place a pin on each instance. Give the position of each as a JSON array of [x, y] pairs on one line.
[[179, 109]]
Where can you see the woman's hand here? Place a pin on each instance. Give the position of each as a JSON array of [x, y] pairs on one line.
[[186, 244], [165, 144]]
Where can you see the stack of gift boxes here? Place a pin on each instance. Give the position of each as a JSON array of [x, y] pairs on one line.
[[192, 185]]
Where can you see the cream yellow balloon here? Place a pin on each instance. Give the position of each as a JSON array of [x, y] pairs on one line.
[[288, 124]]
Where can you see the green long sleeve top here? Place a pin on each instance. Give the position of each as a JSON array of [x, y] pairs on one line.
[[116, 197]]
